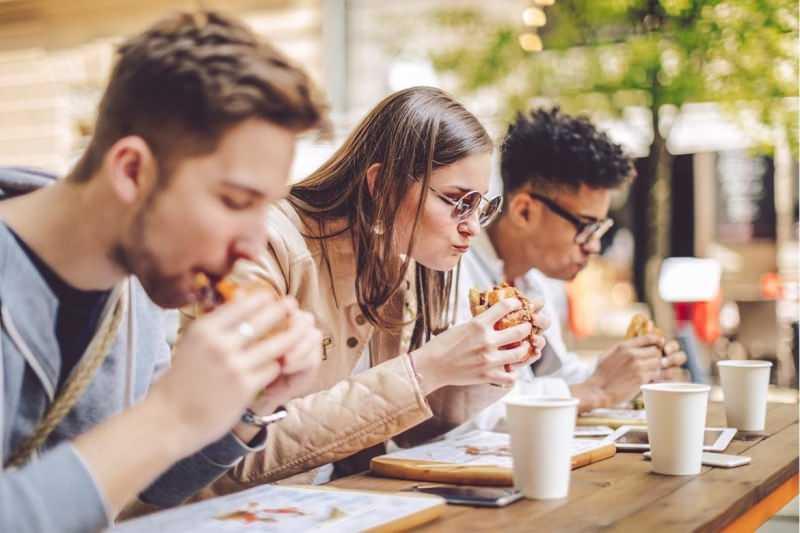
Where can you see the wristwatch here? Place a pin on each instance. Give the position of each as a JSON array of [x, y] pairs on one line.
[[250, 417]]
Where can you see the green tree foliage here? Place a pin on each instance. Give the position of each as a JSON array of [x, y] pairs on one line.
[[604, 55], [601, 56]]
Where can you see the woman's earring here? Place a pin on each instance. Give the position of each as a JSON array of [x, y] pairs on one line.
[[378, 228]]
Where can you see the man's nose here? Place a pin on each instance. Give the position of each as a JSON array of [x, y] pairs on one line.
[[592, 246], [248, 244]]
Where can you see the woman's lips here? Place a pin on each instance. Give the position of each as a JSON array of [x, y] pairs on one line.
[[461, 249]]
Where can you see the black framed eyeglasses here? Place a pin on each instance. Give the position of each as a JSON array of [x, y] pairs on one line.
[[586, 230], [473, 201]]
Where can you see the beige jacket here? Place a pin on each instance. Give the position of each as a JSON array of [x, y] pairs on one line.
[[344, 414]]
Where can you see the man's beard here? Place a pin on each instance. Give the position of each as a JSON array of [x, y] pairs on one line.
[[136, 258]]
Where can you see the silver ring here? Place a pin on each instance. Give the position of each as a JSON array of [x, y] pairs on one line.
[[246, 330]]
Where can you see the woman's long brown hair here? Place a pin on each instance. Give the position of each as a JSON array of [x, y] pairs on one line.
[[410, 134]]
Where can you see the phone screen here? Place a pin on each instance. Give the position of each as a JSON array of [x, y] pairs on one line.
[[491, 496], [711, 437], [634, 437]]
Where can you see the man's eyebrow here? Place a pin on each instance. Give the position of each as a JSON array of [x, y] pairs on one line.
[[243, 187], [590, 218]]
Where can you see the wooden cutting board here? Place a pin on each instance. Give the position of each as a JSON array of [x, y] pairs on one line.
[[466, 474]]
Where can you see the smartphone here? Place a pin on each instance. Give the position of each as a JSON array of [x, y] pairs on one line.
[[722, 460], [479, 496]]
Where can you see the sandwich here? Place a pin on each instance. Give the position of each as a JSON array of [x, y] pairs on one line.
[[211, 295], [641, 325], [481, 301]]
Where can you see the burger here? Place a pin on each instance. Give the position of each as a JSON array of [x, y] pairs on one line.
[[211, 295], [481, 301], [641, 325]]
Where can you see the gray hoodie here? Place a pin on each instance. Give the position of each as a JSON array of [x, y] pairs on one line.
[[56, 491]]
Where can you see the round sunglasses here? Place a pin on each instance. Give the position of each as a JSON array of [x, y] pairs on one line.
[[471, 202]]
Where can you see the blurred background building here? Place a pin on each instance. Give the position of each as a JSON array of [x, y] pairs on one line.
[[703, 94]]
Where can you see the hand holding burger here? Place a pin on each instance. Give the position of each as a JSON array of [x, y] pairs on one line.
[[527, 313], [269, 334]]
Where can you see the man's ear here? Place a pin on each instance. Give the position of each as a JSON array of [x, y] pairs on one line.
[[522, 210], [372, 175], [131, 169]]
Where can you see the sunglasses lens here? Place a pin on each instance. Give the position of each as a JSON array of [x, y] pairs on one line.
[[490, 210], [467, 205]]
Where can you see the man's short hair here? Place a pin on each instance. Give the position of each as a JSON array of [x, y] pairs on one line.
[[182, 83], [549, 149]]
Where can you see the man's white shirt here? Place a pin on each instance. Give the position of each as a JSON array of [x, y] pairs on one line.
[[481, 268]]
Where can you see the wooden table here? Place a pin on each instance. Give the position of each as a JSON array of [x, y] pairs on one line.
[[621, 494]]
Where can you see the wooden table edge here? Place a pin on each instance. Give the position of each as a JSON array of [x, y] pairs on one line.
[[765, 509]]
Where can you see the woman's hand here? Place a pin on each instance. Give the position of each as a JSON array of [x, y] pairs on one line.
[[470, 353]]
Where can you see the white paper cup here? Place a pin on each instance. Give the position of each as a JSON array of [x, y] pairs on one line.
[[541, 432], [676, 421], [744, 385]]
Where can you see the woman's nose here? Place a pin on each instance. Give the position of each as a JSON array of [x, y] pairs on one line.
[[470, 226]]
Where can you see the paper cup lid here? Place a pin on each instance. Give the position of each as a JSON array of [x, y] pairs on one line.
[[677, 388], [541, 401], [744, 363]]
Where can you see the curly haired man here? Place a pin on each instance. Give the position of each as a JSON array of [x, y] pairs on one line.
[[559, 173]]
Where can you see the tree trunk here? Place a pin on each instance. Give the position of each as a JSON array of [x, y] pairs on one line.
[[651, 194], [660, 199]]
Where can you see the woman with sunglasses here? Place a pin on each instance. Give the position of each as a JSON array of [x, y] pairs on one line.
[[368, 244]]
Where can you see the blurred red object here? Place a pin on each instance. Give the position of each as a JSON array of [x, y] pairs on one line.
[[580, 315], [771, 286], [704, 316]]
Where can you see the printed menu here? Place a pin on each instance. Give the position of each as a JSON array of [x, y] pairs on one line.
[[270, 508]]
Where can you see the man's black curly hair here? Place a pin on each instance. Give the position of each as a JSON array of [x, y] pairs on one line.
[[550, 149]]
